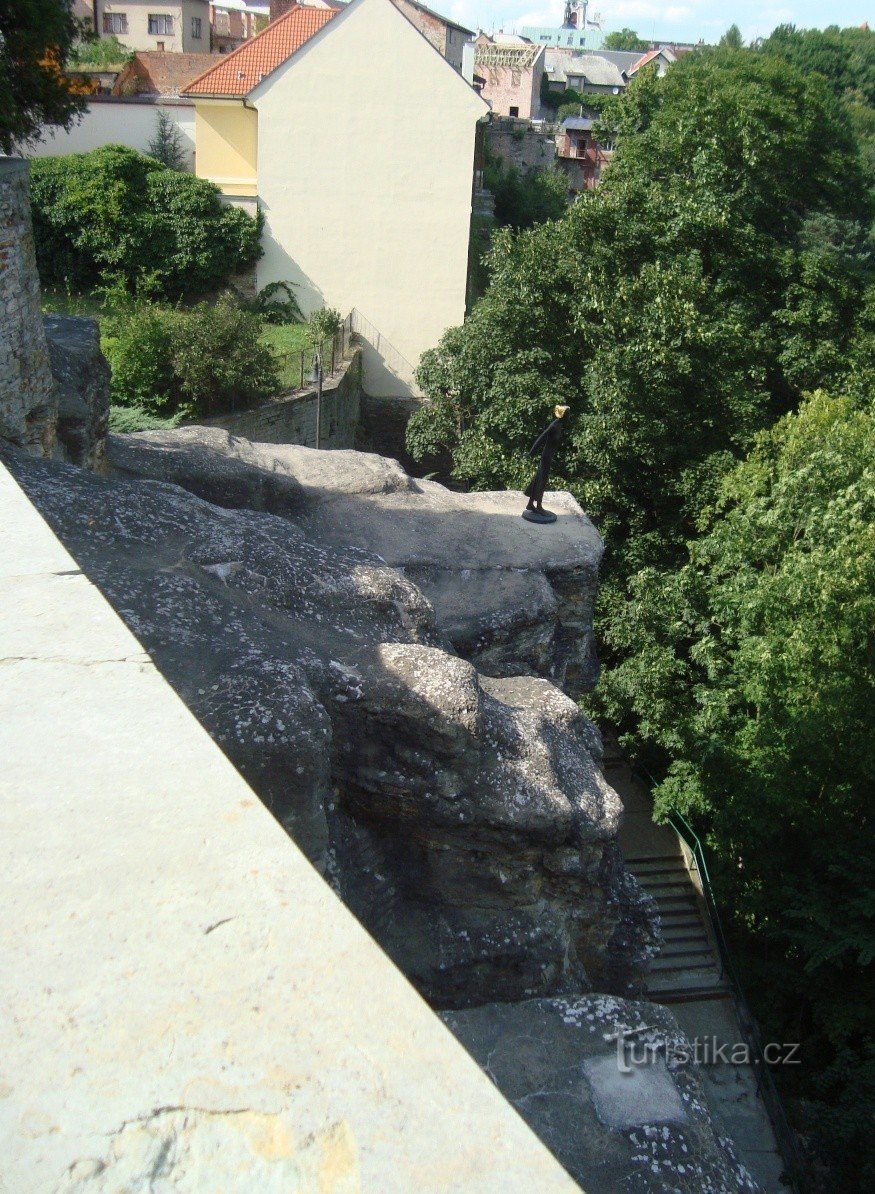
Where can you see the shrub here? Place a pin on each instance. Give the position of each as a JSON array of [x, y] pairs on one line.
[[323, 325], [99, 52], [198, 361], [116, 212], [166, 145]]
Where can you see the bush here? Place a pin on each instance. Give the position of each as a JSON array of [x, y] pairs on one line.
[[323, 325], [199, 361], [118, 213], [99, 52]]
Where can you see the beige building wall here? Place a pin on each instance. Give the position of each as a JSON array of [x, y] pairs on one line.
[[365, 181], [226, 139], [181, 12]]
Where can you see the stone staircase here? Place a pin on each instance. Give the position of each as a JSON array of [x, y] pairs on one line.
[[688, 967]]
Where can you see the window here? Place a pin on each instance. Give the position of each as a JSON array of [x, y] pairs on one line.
[[115, 22], [516, 78], [196, 27], [514, 111], [159, 24]]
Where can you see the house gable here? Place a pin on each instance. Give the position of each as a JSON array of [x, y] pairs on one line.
[[365, 170]]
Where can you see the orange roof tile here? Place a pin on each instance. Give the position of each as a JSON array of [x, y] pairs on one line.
[[241, 71]]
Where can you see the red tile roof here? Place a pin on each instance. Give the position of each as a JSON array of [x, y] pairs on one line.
[[643, 60], [241, 71]]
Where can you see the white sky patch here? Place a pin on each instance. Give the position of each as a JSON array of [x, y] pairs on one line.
[[686, 20]]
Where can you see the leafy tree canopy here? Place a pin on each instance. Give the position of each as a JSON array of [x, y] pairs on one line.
[[625, 39], [749, 678], [35, 38], [117, 213]]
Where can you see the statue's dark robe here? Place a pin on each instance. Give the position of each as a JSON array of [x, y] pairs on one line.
[[548, 441]]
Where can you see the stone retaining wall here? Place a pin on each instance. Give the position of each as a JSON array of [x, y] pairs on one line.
[[27, 391], [292, 419]]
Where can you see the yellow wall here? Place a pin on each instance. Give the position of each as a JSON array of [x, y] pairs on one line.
[[226, 135], [365, 165]]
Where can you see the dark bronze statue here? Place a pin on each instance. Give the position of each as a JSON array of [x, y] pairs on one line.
[[548, 441]]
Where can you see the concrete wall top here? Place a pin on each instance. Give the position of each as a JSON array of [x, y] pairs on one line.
[[184, 998]]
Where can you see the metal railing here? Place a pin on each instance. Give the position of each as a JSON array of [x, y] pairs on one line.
[[785, 1137], [333, 350]]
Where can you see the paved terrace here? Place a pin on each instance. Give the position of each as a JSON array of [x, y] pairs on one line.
[[183, 1001]]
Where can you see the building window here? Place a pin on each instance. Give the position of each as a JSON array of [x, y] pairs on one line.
[[196, 27], [115, 22], [159, 24], [515, 78], [514, 111]]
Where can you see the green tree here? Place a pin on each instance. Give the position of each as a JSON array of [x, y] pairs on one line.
[[624, 39], [166, 145], [35, 38], [732, 39], [749, 682]]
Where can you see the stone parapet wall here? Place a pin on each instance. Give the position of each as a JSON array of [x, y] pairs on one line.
[[27, 391], [292, 420]]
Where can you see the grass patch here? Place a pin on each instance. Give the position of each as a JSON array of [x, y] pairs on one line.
[[288, 341], [58, 301]]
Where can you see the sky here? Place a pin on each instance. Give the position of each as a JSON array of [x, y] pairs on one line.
[[679, 20]]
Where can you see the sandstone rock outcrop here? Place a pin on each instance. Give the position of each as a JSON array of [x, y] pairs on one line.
[[462, 816], [619, 1116], [507, 595], [81, 375]]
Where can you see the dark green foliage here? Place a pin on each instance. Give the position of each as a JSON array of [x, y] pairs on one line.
[[844, 57], [625, 39], [166, 146], [196, 361], [116, 213], [525, 198], [35, 37], [276, 304]]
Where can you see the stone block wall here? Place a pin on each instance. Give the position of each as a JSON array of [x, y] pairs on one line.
[[292, 420], [28, 412], [518, 144]]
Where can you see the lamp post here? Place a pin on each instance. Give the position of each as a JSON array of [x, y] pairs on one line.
[[317, 378]]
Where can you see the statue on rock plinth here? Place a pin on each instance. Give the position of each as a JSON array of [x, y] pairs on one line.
[[548, 441]]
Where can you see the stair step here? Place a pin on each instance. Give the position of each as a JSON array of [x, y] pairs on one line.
[[644, 858], [668, 887], [702, 966], [674, 936], [690, 994], [677, 908], [704, 954]]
